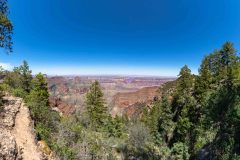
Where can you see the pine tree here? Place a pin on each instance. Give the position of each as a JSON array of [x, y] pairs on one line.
[[37, 99], [153, 119], [183, 106], [19, 80], [6, 30], [115, 126], [26, 76], [43, 116], [183, 93], [185, 80], [204, 79], [96, 108], [6, 27], [221, 62], [222, 109], [228, 54], [166, 124]]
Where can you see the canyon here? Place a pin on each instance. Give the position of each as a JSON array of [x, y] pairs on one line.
[[123, 94]]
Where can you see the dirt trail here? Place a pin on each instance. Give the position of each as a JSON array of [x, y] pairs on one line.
[[24, 135]]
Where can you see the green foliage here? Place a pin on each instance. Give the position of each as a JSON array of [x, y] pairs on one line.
[[203, 81], [69, 133], [138, 142], [18, 82], [26, 75], [13, 80], [115, 127], [19, 92], [1, 91], [199, 116], [43, 131], [37, 100], [185, 80], [64, 152], [96, 108], [180, 151], [78, 139], [151, 118], [6, 27]]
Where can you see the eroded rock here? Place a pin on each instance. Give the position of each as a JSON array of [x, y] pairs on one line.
[[8, 146]]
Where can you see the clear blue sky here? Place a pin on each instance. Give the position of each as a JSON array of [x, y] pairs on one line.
[[140, 37]]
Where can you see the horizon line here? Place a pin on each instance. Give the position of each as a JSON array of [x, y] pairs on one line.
[[109, 75]]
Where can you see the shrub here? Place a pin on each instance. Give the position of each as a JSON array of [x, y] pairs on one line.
[[19, 92], [180, 151]]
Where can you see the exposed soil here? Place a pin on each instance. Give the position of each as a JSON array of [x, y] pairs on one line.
[[24, 135]]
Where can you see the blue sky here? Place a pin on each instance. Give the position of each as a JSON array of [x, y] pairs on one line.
[[130, 37]]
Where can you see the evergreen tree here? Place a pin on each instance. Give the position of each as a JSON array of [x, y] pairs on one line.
[[185, 81], [221, 61], [19, 80], [6, 27], [222, 104], [228, 55], [204, 79], [182, 96], [6, 30], [95, 104], [37, 101], [26, 76], [153, 118], [180, 152], [165, 123], [183, 107], [115, 127]]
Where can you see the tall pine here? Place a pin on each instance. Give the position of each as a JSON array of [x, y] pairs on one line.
[[183, 106], [96, 108]]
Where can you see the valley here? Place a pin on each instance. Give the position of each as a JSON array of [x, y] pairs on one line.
[[121, 93]]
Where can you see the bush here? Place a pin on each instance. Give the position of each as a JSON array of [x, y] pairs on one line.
[[19, 92], [5, 87], [180, 151], [43, 132], [138, 142]]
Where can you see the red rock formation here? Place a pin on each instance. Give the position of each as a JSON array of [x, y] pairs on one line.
[[80, 90], [63, 107], [62, 88], [125, 101]]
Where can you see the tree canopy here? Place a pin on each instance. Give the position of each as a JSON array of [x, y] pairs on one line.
[[6, 27]]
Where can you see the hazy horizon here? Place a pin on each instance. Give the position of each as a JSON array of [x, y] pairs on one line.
[[85, 71]]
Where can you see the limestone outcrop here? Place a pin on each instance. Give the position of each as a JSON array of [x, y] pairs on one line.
[[17, 137], [8, 146]]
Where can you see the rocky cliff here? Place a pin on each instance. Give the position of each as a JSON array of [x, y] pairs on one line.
[[17, 138]]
